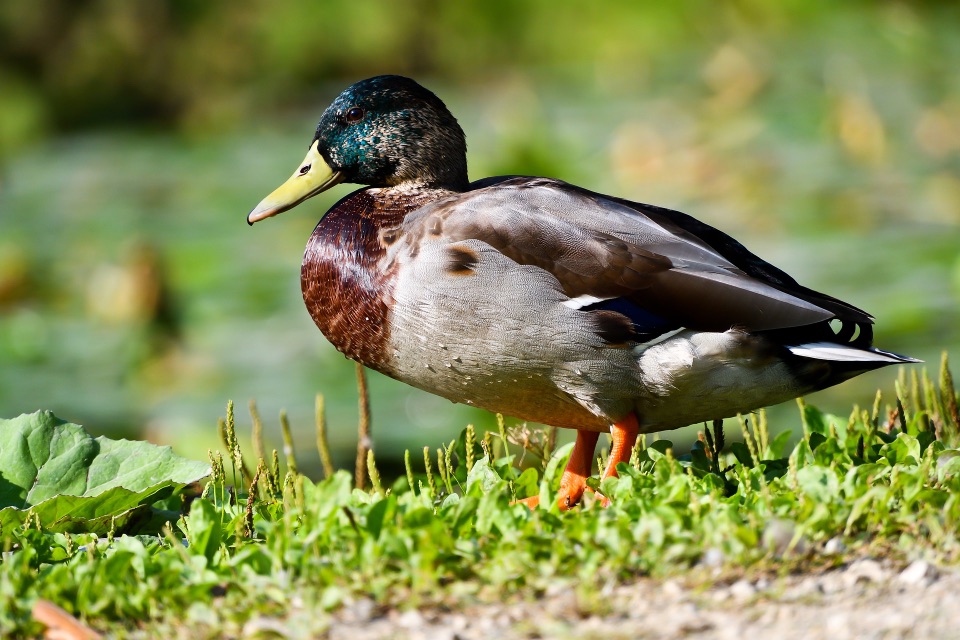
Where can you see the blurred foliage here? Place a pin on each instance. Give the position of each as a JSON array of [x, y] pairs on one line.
[[134, 137], [69, 65]]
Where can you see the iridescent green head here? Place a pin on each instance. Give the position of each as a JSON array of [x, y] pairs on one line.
[[384, 131]]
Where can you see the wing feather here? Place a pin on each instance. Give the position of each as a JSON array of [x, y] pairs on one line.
[[601, 248]]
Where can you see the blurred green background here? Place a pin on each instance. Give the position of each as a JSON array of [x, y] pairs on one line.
[[135, 137]]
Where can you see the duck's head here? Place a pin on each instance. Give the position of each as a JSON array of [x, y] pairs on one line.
[[384, 131]]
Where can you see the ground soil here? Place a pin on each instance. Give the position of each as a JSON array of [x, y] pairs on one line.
[[866, 599]]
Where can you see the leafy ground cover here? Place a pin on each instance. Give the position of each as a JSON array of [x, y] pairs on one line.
[[63, 480], [273, 546]]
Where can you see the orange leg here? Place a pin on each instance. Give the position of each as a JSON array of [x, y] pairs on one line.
[[574, 480], [624, 433]]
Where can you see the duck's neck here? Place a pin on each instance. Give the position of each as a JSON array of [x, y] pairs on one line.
[[345, 287]]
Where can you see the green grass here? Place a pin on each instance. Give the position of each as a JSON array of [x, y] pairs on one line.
[[885, 481]]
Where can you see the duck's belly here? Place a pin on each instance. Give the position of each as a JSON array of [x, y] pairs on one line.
[[498, 337]]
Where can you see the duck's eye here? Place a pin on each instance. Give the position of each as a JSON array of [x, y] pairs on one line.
[[353, 114], [304, 169]]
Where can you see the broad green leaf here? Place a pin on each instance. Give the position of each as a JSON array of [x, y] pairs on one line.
[[658, 449], [778, 446], [817, 421], [948, 464], [484, 475], [527, 484], [904, 450], [73, 482], [203, 528], [820, 483], [378, 513], [451, 499], [742, 453]]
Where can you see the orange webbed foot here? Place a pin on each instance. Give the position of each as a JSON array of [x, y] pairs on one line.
[[574, 481], [531, 503]]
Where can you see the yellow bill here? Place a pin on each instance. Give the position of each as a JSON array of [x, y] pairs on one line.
[[312, 177]]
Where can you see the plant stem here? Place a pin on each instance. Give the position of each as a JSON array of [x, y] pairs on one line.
[[363, 429]]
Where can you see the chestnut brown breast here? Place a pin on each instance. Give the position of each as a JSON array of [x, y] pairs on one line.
[[345, 291]]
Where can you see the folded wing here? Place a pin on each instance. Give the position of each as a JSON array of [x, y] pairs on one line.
[[611, 253]]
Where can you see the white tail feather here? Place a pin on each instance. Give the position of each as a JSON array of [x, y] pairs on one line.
[[842, 353]]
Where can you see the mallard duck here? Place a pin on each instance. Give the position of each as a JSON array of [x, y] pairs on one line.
[[542, 300]]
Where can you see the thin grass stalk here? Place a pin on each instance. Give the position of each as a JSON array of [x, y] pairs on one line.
[[409, 469], [233, 444], [875, 412], [429, 466], [259, 451], [870, 433], [549, 444], [948, 398], [902, 415], [288, 451], [364, 442], [901, 390], [502, 428], [748, 440], [218, 478], [448, 462], [289, 491], [930, 405], [222, 433], [470, 440], [323, 446], [915, 398], [251, 499], [803, 418], [487, 445], [635, 453], [225, 439], [271, 483], [901, 384], [231, 425], [763, 431], [442, 468], [716, 441], [374, 474]]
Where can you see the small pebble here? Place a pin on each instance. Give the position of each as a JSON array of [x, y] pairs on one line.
[[742, 590], [778, 537], [834, 547], [264, 626], [713, 557], [410, 619], [831, 583], [672, 589], [918, 572], [865, 570], [359, 611]]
